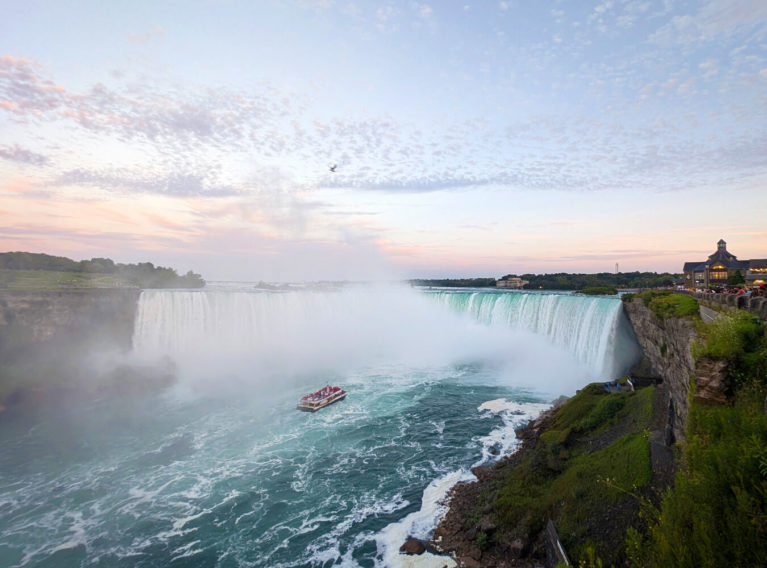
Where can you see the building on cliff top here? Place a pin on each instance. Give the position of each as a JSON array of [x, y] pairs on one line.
[[722, 264]]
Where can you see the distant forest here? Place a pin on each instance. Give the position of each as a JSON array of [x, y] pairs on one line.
[[456, 282], [563, 281], [142, 275]]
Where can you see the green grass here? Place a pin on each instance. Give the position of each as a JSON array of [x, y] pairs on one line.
[[731, 336], [716, 515], [604, 413], [667, 304], [579, 406], [674, 306], [564, 479], [47, 280], [716, 512], [598, 479]]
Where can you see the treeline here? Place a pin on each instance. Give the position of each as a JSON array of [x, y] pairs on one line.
[[142, 275], [565, 281], [455, 282], [562, 281]]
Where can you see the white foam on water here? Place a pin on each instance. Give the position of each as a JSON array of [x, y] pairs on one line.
[[422, 523], [78, 535], [503, 440], [186, 550], [419, 524]]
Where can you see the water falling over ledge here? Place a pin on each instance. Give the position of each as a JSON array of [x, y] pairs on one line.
[[306, 331]]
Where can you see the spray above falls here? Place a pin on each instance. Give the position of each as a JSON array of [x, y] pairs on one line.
[[312, 331], [594, 329]]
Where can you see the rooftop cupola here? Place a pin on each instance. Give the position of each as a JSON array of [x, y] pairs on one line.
[[722, 255]]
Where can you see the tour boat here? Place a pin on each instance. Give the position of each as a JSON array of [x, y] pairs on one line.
[[320, 399]]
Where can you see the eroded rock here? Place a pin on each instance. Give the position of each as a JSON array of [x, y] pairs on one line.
[[710, 381], [413, 546]]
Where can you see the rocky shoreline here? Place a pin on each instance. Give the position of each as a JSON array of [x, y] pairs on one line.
[[455, 537], [457, 533]]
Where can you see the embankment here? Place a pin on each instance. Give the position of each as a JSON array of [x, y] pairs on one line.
[[49, 339]]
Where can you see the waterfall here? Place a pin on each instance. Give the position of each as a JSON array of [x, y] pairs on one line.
[[309, 330], [594, 329]]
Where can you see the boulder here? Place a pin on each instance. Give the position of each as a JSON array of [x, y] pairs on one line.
[[412, 546], [486, 525], [517, 548]]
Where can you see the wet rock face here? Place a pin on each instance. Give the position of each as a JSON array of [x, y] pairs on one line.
[[35, 319], [46, 338], [667, 348]]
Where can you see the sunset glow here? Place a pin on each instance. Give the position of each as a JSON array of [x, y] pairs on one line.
[[470, 139]]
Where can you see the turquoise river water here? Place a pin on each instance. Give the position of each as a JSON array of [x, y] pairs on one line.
[[221, 470]]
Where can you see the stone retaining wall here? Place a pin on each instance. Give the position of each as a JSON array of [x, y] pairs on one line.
[[757, 305]]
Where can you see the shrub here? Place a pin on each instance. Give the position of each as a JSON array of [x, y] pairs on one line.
[[482, 540], [731, 336], [674, 306], [599, 291], [716, 515]]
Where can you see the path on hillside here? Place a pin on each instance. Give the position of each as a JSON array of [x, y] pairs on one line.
[[708, 314]]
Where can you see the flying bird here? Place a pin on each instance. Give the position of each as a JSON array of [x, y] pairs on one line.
[[333, 168]]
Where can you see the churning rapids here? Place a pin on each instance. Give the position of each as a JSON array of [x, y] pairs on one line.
[[220, 470]]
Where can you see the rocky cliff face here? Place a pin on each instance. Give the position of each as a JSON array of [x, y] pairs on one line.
[[45, 337], [101, 315], [667, 353]]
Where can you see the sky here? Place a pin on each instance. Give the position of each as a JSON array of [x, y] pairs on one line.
[[470, 139]]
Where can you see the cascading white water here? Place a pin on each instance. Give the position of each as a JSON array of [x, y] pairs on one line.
[[309, 330], [593, 329]]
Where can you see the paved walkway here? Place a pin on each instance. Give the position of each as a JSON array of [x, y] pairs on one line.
[[708, 314]]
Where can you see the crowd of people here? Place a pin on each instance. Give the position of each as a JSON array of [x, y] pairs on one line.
[[759, 291]]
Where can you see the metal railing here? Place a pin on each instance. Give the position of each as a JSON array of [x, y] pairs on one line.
[[555, 552]]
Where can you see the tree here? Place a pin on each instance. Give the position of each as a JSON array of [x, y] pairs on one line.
[[735, 279]]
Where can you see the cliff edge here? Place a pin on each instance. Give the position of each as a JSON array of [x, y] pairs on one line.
[[666, 354], [54, 343]]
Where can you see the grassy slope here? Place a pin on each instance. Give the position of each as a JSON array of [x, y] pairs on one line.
[[581, 473], [716, 514], [48, 280], [667, 304]]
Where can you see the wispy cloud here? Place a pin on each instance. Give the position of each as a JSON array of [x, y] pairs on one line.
[[17, 154], [23, 92], [132, 181], [194, 137], [714, 19]]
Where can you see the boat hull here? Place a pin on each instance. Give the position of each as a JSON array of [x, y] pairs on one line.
[[315, 406]]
